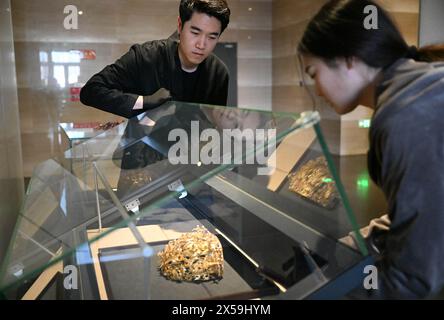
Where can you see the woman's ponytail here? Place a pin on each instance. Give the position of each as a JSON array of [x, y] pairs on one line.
[[430, 53]]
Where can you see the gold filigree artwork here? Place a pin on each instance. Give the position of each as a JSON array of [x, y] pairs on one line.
[[135, 177], [195, 256], [108, 125], [313, 181]]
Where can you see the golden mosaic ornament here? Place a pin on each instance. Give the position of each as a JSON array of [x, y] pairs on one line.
[[313, 181], [195, 256]]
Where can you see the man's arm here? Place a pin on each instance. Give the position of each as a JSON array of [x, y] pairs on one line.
[[119, 88], [113, 88]]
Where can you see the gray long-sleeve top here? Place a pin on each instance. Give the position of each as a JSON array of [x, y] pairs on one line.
[[406, 159]]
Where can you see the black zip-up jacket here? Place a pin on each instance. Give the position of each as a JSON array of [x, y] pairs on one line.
[[147, 68]]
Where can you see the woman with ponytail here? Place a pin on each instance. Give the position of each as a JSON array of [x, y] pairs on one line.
[[353, 65]]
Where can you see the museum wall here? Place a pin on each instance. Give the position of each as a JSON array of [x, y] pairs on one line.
[[11, 177]]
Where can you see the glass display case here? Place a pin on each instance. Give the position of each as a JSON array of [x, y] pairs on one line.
[[78, 132], [188, 201]]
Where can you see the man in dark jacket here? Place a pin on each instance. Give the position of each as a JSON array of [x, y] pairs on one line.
[[180, 68]]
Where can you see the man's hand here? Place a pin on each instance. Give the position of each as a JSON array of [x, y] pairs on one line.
[[158, 98]]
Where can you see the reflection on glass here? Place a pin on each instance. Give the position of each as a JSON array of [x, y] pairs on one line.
[[313, 181], [44, 74], [362, 184], [59, 75], [43, 56], [73, 74], [65, 57]]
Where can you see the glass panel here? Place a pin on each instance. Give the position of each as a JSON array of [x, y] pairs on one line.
[[59, 75], [73, 74], [44, 74], [251, 181], [65, 57], [43, 56]]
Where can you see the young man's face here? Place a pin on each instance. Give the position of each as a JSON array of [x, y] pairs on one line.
[[198, 38]]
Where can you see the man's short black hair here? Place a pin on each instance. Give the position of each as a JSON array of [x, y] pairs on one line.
[[214, 8]]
